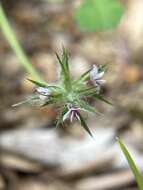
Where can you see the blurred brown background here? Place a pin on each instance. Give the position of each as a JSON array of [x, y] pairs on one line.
[[34, 155]]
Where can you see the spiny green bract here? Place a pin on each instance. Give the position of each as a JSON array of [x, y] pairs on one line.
[[71, 95]]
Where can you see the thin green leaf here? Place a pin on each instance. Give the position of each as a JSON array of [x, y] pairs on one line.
[[53, 99], [64, 63], [100, 97], [60, 118], [26, 101], [47, 103], [84, 105], [67, 71], [61, 63], [132, 164], [102, 68], [41, 84], [83, 77], [65, 74], [87, 91], [84, 125], [15, 45], [65, 59]]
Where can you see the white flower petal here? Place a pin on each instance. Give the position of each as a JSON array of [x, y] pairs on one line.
[[99, 75], [98, 88], [66, 115], [77, 116], [43, 90], [95, 69], [72, 116], [43, 97], [93, 72], [100, 82]]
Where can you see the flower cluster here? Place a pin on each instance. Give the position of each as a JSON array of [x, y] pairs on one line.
[[71, 94]]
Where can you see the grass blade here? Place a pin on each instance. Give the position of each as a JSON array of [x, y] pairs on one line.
[[132, 164], [11, 38]]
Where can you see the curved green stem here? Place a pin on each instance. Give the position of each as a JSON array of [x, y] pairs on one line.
[[15, 45]]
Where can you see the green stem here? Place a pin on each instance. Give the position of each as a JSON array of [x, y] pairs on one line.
[[15, 45]]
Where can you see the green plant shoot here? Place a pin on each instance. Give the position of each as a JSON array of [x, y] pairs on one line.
[[71, 95]]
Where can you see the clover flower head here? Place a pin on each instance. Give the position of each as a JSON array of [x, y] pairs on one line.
[[73, 95], [96, 76], [73, 112]]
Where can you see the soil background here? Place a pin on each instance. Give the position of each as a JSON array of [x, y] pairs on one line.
[[33, 154]]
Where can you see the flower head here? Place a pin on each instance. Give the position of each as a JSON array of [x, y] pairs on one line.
[[96, 76], [73, 95]]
